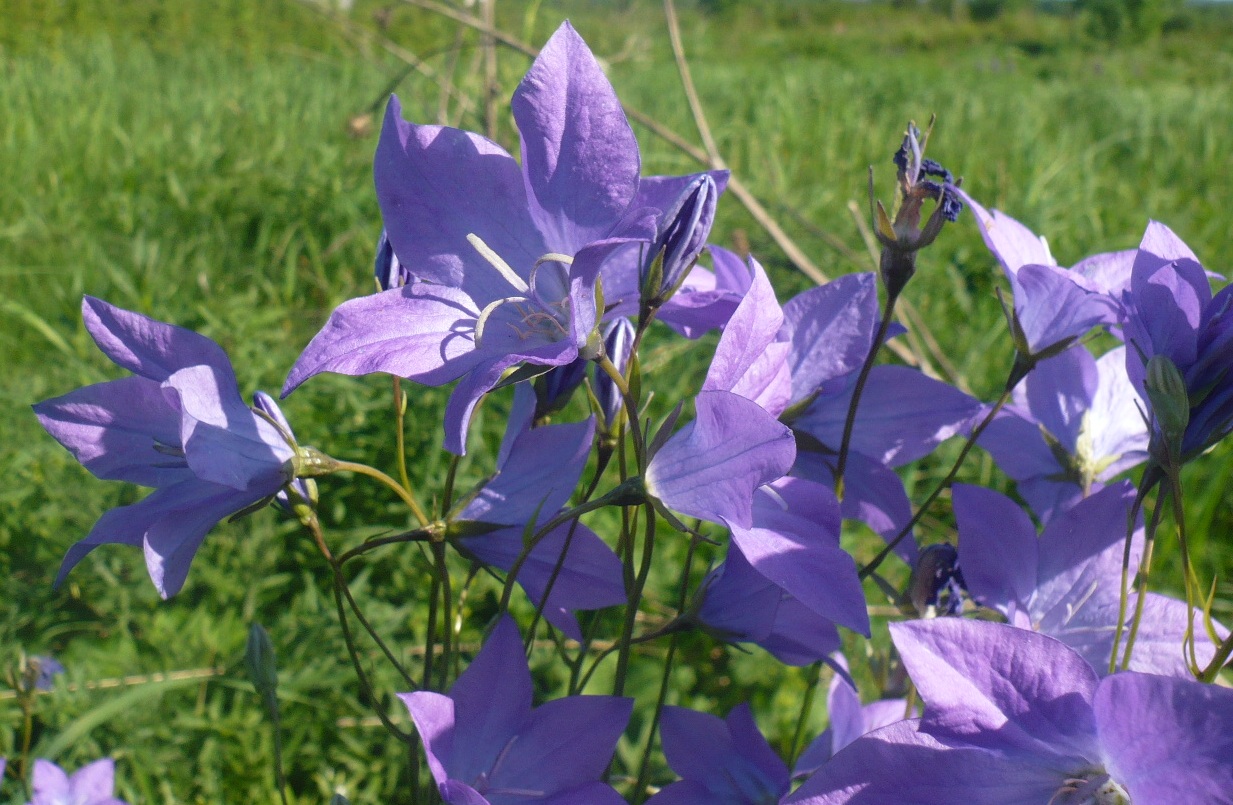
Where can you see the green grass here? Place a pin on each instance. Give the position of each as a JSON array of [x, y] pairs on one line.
[[194, 162]]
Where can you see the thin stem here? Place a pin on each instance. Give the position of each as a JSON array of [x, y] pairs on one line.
[[845, 444], [373, 472], [418, 535], [430, 634], [802, 719], [631, 409], [1145, 570], [400, 436], [447, 600], [1146, 483], [1179, 519], [644, 768], [950, 476], [635, 597]]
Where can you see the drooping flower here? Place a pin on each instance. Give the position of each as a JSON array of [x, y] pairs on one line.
[[537, 471], [1013, 717], [505, 256], [178, 425], [93, 784], [1067, 582], [1072, 426], [486, 745], [1171, 314]]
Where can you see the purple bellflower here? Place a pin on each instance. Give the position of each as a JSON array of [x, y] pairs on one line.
[[1016, 718], [486, 745], [1073, 425], [849, 720], [1172, 315], [178, 425], [1067, 582], [740, 605], [93, 784], [1053, 306], [506, 257], [537, 470], [799, 362], [721, 761]]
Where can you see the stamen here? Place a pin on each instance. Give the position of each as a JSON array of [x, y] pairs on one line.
[[488, 311], [500, 265]]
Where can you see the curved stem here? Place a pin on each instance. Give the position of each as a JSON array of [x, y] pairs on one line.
[[945, 482], [631, 409], [373, 472], [400, 436], [418, 535], [849, 422], [1153, 524]]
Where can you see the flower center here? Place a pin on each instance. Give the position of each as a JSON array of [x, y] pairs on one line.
[[539, 312], [1091, 787]]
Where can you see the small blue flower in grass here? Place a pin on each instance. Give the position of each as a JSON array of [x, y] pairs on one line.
[[93, 784], [486, 745], [1013, 717], [178, 425]]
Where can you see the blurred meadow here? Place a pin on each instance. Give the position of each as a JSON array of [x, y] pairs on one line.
[[209, 164]]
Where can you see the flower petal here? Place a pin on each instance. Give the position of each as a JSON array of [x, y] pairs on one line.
[[579, 156], [149, 348]]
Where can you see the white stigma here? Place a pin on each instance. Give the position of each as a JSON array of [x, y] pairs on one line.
[[499, 264]]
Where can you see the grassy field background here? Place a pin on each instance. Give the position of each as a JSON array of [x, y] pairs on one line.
[[207, 164]]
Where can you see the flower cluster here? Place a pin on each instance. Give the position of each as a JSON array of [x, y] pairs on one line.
[[544, 274]]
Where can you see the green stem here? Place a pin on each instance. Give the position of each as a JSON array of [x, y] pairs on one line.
[[373, 472], [635, 597], [447, 600], [802, 719], [950, 476], [1145, 569], [631, 409], [1146, 483], [849, 422], [418, 535], [400, 436]]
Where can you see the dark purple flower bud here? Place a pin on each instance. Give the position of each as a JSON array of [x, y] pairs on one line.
[[554, 388], [937, 584], [618, 341], [903, 237], [683, 230], [389, 271]]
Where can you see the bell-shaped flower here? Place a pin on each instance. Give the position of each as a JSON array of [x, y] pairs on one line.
[[537, 471], [178, 425], [1072, 426], [1171, 314], [1067, 582], [1052, 306], [849, 720], [1017, 718], [506, 256], [486, 745], [683, 229], [720, 761], [92, 784], [710, 468]]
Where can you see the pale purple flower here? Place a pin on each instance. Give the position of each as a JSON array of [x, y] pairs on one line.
[[505, 256], [721, 761], [1171, 312], [537, 471], [1072, 426], [1016, 718], [178, 425], [1067, 582], [42, 671], [1053, 306], [93, 784], [740, 605], [486, 745]]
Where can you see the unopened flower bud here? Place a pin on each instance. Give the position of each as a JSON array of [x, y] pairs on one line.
[[1166, 390], [262, 667], [554, 388], [386, 266], [618, 341], [683, 232]]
